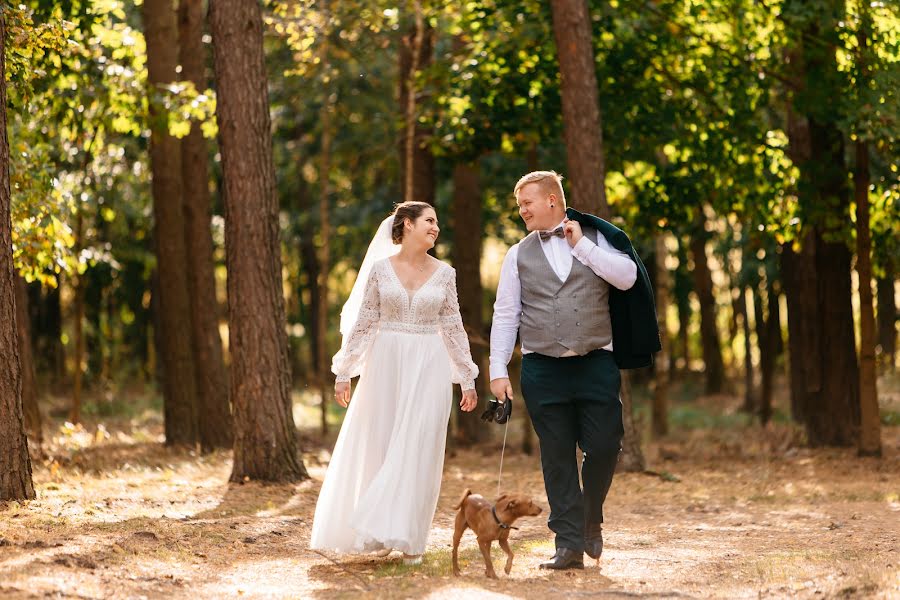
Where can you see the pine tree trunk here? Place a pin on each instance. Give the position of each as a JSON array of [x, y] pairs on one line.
[[30, 408], [632, 457], [214, 418], [324, 236], [417, 168], [823, 357], [15, 474], [265, 439], [467, 244], [750, 404], [682, 289], [887, 318], [179, 383], [870, 418], [703, 285], [582, 129], [660, 421], [78, 325], [765, 335]]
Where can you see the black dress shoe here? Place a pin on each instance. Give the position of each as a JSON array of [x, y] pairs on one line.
[[593, 542], [565, 559]]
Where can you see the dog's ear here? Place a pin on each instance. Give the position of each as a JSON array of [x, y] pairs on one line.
[[501, 499]]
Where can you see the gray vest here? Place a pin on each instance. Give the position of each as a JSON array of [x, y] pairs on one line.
[[560, 316]]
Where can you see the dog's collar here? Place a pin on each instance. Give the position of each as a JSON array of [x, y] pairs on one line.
[[499, 522]]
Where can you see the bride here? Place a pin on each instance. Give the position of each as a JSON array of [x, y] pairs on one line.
[[403, 334]]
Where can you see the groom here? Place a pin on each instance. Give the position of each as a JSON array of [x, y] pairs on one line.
[[570, 288]]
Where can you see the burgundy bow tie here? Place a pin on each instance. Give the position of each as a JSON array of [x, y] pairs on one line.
[[546, 235]]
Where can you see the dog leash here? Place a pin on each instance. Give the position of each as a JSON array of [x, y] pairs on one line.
[[500, 475]]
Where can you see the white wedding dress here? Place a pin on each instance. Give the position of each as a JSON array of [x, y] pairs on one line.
[[381, 487]]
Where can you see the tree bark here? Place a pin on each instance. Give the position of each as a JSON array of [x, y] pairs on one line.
[[467, 245], [744, 294], [324, 237], [417, 168], [823, 355], [265, 439], [78, 325], [582, 129], [214, 412], [660, 422], [15, 475], [870, 419], [703, 285], [30, 408], [632, 457], [767, 327], [682, 291], [887, 318], [179, 383]]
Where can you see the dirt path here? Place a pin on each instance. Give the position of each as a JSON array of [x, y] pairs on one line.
[[734, 516]]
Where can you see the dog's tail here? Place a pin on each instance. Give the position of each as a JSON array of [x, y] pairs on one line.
[[465, 495]]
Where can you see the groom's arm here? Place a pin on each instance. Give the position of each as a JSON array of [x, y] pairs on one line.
[[507, 311], [614, 266]]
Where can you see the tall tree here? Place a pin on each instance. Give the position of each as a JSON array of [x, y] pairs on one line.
[[580, 105], [887, 318], [15, 475], [824, 371], [417, 168], [709, 334], [467, 244], [214, 422], [265, 439], [660, 412], [179, 382], [870, 419], [30, 408], [584, 153]]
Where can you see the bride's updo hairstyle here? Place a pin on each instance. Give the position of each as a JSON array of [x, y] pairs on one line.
[[406, 210]]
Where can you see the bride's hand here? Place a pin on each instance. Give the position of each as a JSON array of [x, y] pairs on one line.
[[342, 393], [469, 400]]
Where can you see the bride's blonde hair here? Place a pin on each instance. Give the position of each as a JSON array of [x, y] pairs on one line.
[[411, 210]]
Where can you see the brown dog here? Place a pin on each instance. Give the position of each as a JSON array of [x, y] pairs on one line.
[[490, 522]]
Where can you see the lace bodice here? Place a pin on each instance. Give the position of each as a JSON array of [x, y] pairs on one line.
[[387, 305]]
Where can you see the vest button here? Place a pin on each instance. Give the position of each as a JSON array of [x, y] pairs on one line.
[[578, 323]]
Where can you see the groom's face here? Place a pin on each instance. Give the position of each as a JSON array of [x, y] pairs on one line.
[[534, 207]]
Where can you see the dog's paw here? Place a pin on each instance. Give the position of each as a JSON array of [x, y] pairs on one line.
[[507, 569], [456, 573], [491, 575]]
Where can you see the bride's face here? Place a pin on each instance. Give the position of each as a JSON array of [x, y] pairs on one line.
[[424, 231]]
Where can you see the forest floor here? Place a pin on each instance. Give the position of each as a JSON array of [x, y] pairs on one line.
[[732, 511]]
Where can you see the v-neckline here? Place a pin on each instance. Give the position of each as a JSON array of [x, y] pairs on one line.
[[562, 282], [411, 294]]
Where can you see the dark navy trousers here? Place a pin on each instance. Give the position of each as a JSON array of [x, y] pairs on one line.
[[575, 400]]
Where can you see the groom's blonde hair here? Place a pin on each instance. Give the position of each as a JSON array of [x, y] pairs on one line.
[[550, 182]]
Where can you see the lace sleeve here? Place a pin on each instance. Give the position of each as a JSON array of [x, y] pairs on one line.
[[464, 369], [347, 363]]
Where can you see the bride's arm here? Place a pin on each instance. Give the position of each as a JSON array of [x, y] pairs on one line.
[[464, 368], [348, 362]]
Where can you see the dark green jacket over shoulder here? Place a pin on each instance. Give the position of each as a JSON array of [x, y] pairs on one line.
[[635, 329]]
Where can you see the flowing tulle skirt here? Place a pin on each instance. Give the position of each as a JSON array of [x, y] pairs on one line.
[[381, 487]]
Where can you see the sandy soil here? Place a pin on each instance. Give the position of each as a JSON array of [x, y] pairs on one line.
[[729, 514]]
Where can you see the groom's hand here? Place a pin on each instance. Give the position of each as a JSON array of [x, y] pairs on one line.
[[501, 389], [573, 232]]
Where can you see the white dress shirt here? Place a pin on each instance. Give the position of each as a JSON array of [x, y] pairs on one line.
[[614, 266]]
